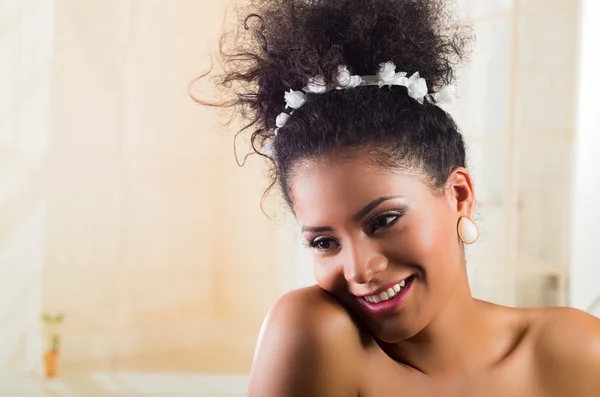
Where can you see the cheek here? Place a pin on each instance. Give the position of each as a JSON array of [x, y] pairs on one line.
[[425, 232], [327, 273], [431, 238]]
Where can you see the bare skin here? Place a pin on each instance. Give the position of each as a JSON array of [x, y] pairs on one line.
[[440, 341]]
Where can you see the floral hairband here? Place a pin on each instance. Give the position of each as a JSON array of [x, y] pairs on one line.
[[386, 76]]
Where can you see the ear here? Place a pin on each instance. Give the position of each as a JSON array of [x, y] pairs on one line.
[[461, 192]]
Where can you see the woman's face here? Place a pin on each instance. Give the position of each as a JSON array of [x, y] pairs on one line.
[[372, 229]]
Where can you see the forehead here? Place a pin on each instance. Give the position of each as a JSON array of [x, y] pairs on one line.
[[338, 187]]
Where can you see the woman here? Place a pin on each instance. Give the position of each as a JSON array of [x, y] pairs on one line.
[[345, 97]]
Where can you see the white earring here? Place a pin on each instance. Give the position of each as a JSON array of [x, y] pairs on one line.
[[467, 230]]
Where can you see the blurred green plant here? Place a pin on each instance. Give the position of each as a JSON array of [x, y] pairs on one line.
[[51, 322]]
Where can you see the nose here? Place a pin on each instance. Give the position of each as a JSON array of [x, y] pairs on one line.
[[363, 262]]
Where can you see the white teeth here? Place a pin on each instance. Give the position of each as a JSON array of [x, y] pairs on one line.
[[387, 294]]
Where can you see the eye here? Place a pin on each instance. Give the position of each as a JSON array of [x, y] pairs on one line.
[[383, 221], [324, 244]]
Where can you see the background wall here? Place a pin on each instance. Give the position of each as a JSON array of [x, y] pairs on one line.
[[26, 53], [157, 248], [122, 205], [584, 293], [518, 115]]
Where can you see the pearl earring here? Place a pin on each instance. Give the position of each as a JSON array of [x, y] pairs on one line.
[[467, 230]]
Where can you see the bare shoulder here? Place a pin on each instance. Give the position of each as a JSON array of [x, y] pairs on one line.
[[308, 346], [567, 345], [566, 332]]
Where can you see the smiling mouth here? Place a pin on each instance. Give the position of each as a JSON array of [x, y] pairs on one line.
[[389, 293]]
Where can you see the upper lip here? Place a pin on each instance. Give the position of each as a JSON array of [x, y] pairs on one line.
[[383, 288]]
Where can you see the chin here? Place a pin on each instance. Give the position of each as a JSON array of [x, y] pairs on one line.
[[395, 332]]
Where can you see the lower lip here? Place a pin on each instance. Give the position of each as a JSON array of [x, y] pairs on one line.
[[388, 306]]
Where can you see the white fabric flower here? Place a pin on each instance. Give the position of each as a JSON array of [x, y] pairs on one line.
[[282, 119], [346, 80], [268, 149], [295, 99], [445, 95], [387, 72], [316, 85], [387, 75], [417, 87]]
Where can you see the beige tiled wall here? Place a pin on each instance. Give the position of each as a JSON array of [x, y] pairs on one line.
[[157, 248], [517, 113], [25, 112], [584, 256]]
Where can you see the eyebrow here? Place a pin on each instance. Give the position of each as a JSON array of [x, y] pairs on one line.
[[372, 205], [358, 216]]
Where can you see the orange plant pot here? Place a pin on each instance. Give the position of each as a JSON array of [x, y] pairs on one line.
[[50, 363]]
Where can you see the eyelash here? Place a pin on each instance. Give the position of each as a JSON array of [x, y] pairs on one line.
[[396, 215], [314, 244], [387, 215]]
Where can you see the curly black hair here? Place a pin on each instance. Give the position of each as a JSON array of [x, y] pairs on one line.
[[283, 43]]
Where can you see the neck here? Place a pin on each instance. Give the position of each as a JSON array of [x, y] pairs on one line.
[[460, 339]]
